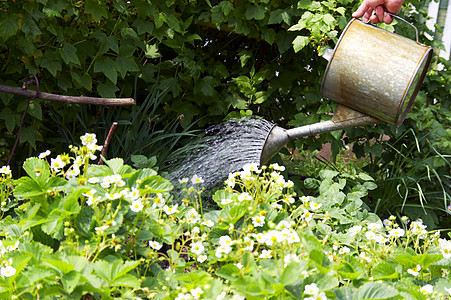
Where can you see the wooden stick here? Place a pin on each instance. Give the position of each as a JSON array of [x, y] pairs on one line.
[[68, 99], [106, 144]]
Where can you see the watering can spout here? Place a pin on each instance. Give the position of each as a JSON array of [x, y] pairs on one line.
[[344, 117]]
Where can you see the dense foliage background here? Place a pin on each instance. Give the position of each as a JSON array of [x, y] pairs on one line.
[[193, 63]]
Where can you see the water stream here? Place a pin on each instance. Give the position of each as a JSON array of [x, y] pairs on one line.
[[232, 145]]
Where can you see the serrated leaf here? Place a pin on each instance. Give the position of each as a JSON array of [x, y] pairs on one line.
[[152, 51], [143, 26], [37, 169], [69, 54], [52, 63], [70, 281], [229, 272], [27, 187], [107, 89], [96, 9], [9, 25], [84, 220], [384, 270], [126, 64], [300, 42], [375, 290], [255, 12], [108, 67], [31, 136], [156, 184]]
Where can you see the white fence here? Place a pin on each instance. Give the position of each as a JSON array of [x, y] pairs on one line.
[[440, 13]]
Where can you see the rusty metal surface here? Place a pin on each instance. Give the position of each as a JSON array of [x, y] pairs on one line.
[[372, 71]]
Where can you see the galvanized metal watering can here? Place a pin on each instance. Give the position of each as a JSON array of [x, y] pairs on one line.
[[373, 74]]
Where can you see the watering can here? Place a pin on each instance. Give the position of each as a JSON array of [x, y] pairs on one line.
[[373, 74]]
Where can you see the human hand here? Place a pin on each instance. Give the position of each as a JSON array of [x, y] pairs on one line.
[[375, 11]]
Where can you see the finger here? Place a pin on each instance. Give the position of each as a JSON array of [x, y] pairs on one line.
[[374, 19], [367, 15], [387, 18], [380, 13], [363, 9]]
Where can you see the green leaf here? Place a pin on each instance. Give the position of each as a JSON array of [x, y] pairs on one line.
[[84, 220], [107, 89], [229, 272], [143, 26], [51, 62], [69, 54], [27, 187], [70, 281], [127, 280], [96, 9], [375, 290], [126, 64], [292, 272], [300, 42], [156, 184], [206, 86], [255, 12], [108, 67], [30, 135], [9, 25], [37, 169], [384, 270]]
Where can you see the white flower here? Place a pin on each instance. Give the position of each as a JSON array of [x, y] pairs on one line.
[[246, 175], [88, 139], [354, 230], [249, 244], [344, 250], [170, 210], [445, 247], [283, 225], [274, 236], [380, 239], [276, 167], [314, 205], [244, 196], [320, 296], [370, 235], [276, 205], [427, 289], [448, 290], [239, 266], [159, 201], [197, 248], [113, 196], [226, 201], [289, 184], [415, 271], [387, 222], [73, 172], [208, 223], [222, 249], [291, 258], [195, 230], [374, 226], [201, 258], [183, 180], [44, 154], [304, 199], [196, 180], [258, 221], [288, 200], [196, 293], [57, 163], [133, 194], [231, 180], [260, 237], [221, 296], [92, 200], [136, 206], [396, 232], [182, 296], [7, 271], [93, 180], [252, 167], [192, 216], [293, 238], [311, 289], [155, 245], [238, 297], [225, 240], [448, 208], [266, 254], [363, 256]]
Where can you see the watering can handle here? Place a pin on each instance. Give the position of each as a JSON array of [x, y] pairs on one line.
[[411, 25]]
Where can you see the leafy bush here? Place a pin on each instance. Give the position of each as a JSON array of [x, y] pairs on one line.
[[78, 230]]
